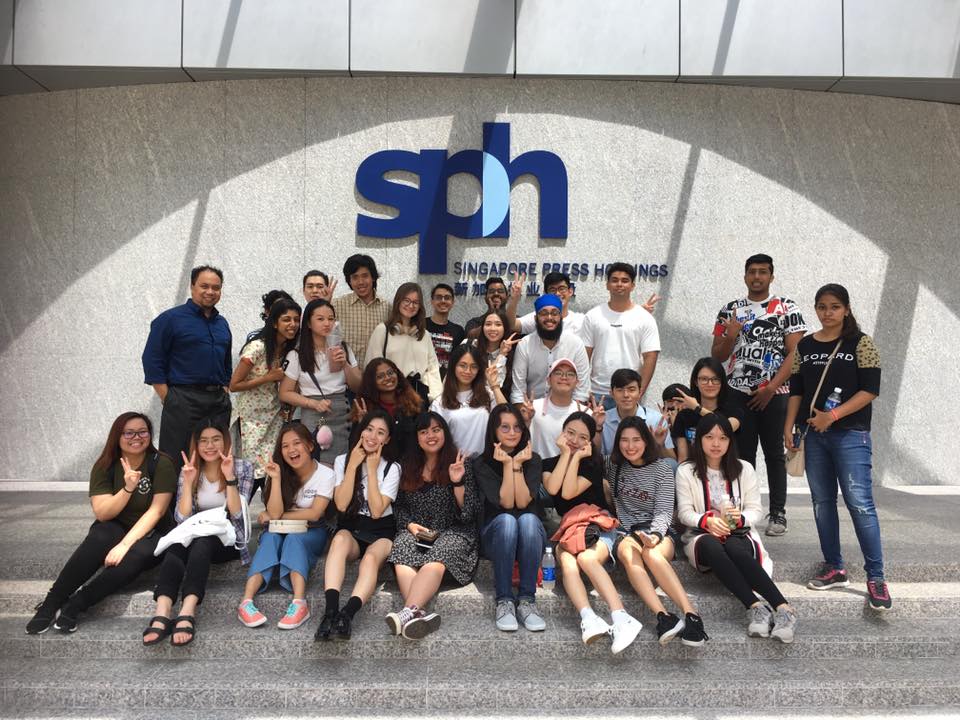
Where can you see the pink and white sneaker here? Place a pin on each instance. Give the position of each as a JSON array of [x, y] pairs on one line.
[[297, 614], [248, 614]]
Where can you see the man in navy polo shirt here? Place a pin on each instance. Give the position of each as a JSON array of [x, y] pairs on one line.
[[187, 360]]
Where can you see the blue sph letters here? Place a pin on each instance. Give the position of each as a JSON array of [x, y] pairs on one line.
[[422, 210]]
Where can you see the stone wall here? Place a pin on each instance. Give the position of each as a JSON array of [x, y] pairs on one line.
[[108, 197]]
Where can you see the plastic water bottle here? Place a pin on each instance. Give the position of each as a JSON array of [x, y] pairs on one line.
[[549, 567], [833, 400], [726, 506]]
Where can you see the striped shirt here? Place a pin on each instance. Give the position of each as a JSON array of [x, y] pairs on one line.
[[357, 321], [643, 495]]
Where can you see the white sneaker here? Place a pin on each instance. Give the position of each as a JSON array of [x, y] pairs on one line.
[[624, 633], [593, 628], [760, 620]]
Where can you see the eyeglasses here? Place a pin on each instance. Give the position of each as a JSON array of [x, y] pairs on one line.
[[557, 289], [131, 434], [509, 428], [314, 286], [496, 291], [443, 298], [407, 302], [210, 441], [708, 380], [385, 375], [565, 374], [548, 314]]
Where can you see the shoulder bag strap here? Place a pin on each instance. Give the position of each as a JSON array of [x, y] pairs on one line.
[[823, 377], [386, 336]]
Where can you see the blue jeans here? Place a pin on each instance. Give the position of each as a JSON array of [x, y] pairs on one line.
[[507, 539], [842, 458], [288, 553]]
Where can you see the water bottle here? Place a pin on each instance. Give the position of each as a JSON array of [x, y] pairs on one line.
[[549, 567], [726, 506], [833, 400]]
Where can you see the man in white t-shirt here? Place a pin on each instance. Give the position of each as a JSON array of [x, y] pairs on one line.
[[620, 334]]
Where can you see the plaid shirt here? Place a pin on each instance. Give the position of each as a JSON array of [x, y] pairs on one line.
[[243, 470], [357, 321]]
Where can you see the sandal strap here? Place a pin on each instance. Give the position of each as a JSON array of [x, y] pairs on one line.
[[163, 631], [184, 618]]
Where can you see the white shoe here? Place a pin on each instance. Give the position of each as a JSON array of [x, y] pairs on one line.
[[624, 633], [593, 628], [507, 616]]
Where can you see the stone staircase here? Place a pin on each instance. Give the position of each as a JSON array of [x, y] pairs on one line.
[[846, 658]]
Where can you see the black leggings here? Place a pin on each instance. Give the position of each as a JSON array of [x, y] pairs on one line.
[[186, 569], [733, 562], [89, 557]]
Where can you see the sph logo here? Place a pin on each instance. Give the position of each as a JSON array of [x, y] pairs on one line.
[[423, 210]]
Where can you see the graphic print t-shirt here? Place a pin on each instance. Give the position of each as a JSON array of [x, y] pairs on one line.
[[445, 338], [759, 351]]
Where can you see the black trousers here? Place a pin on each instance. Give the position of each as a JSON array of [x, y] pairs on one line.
[[183, 410], [89, 557], [733, 562], [185, 570], [766, 427]]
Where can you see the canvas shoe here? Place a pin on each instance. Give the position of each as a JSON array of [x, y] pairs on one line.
[[593, 628], [298, 612], [693, 634], [248, 614], [668, 627], [507, 616], [421, 625], [624, 632], [530, 616], [396, 620]]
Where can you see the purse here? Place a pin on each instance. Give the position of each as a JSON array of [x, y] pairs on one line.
[[287, 527], [795, 458], [322, 435]]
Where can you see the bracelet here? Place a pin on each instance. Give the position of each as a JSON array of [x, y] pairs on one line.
[[127, 491], [833, 414], [233, 483], [458, 484]]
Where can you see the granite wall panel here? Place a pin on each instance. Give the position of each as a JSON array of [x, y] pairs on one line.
[[108, 197]]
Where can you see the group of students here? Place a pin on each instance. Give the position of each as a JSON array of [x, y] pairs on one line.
[[397, 457]]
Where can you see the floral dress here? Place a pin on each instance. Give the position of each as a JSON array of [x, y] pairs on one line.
[[258, 411], [436, 508]]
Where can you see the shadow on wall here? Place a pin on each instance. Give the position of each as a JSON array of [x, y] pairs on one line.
[[876, 153]]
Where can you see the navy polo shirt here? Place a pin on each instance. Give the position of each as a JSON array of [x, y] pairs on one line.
[[185, 347]]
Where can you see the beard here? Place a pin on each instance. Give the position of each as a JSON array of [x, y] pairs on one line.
[[549, 335]]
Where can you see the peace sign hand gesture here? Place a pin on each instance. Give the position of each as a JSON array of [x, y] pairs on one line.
[[516, 287], [688, 402], [189, 470], [597, 410], [526, 409], [359, 407], [493, 376], [327, 292], [661, 430], [272, 470], [651, 303], [131, 477], [226, 465], [506, 346], [457, 468]]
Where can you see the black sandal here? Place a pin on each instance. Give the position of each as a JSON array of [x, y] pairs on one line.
[[186, 630], [160, 632]]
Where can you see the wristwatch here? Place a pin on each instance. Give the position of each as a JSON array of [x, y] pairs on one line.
[[233, 483]]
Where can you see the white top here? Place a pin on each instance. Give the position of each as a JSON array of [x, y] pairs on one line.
[[468, 425], [330, 383], [321, 484], [412, 356], [209, 495], [532, 360], [388, 485], [618, 340], [547, 424], [572, 323]]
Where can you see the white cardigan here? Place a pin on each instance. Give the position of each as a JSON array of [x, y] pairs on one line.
[[693, 508], [410, 355]]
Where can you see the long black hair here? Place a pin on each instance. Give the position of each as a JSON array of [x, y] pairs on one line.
[[389, 453], [268, 333], [306, 352], [714, 366], [481, 396], [651, 452], [411, 478], [851, 328], [730, 466]]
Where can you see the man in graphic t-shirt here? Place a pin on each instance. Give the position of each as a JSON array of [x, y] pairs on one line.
[[445, 335], [756, 337]]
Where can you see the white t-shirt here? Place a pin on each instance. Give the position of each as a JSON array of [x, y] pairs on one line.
[[618, 340], [389, 484], [547, 424], [209, 495], [330, 383], [321, 484], [572, 323], [468, 425]]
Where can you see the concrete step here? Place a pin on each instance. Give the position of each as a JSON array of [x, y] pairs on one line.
[[223, 637], [919, 600], [511, 685]]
